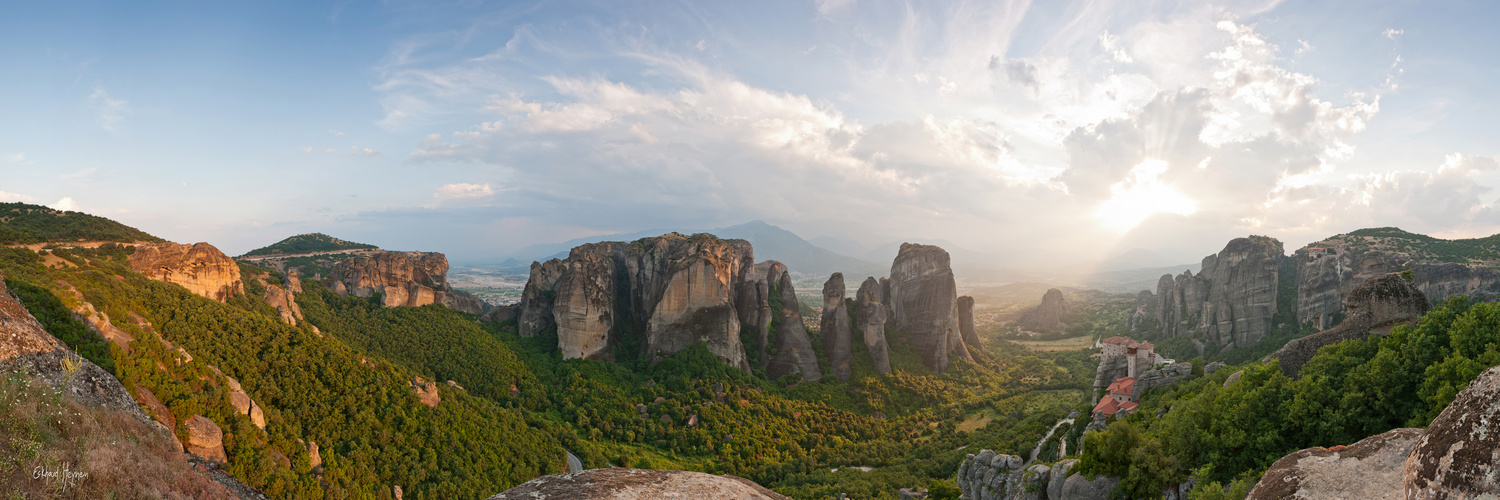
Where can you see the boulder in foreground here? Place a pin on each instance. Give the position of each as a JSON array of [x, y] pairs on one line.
[[638, 484]]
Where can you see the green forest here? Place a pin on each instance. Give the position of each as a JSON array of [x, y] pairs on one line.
[[23, 223], [308, 243]]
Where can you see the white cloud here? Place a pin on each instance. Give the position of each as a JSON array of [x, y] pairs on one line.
[[462, 190], [361, 151], [109, 112], [1392, 33], [15, 198], [65, 204], [1111, 45]]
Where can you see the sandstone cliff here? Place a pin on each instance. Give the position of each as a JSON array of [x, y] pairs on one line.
[[872, 317], [405, 279], [667, 293], [1048, 316], [793, 348], [200, 268], [1374, 307], [924, 301], [835, 327], [1232, 299], [637, 484], [1329, 269]]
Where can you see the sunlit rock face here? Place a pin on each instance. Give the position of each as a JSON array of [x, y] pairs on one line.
[[924, 301], [404, 279], [201, 268], [664, 294]]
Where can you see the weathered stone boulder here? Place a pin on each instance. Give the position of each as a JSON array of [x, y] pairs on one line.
[[1459, 454], [1230, 301], [426, 392], [966, 324], [285, 304], [988, 476], [205, 439], [793, 347], [924, 301], [200, 268], [405, 279], [637, 484], [835, 327], [1048, 316], [1059, 475], [1369, 469], [872, 318], [1164, 376], [1374, 307], [673, 291], [1077, 487]]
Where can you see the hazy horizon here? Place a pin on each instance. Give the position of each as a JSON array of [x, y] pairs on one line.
[[1053, 133]]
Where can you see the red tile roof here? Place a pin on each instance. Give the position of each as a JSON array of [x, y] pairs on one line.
[[1123, 386]]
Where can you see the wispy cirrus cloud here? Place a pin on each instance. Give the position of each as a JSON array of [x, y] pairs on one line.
[[109, 112]]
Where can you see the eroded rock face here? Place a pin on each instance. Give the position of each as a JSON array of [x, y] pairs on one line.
[[794, 349], [427, 392], [1374, 307], [501, 313], [835, 327], [405, 279], [966, 324], [205, 439], [872, 318], [1231, 300], [1048, 316], [637, 484], [1329, 270], [924, 302], [1459, 455], [988, 475], [20, 333], [1368, 470], [285, 304], [201, 268], [673, 291]]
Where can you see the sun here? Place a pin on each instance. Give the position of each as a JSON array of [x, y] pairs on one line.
[[1141, 195]]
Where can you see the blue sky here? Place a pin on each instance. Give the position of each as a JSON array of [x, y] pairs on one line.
[[1061, 130]]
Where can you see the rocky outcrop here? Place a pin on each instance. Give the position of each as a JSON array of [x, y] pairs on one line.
[[924, 301], [501, 313], [200, 268], [637, 484], [1164, 376], [990, 476], [1374, 307], [671, 291], [872, 318], [537, 298], [1049, 315], [1368, 470], [835, 327], [426, 392], [1145, 310], [405, 279], [1457, 455], [1329, 270], [285, 304], [794, 352], [1232, 299], [205, 439], [966, 324], [20, 333]]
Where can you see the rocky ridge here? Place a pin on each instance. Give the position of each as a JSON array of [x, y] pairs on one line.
[[200, 267], [1374, 307], [404, 279], [1231, 300]]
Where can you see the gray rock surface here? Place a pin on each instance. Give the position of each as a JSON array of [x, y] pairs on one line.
[[1231, 300], [502, 313], [1459, 454], [1049, 315], [1374, 307], [835, 327], [1370, 469], [966, 324], [538, 296], [1164, 376], [637, 484], [924, 303], [1329, 270], [872, 318], [793, 347]]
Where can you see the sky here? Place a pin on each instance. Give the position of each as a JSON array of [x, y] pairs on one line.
[[1043, 132]]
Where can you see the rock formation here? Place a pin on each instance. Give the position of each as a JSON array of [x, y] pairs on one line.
[[966, 324], [285, 304], [872, 318], [1367, 470], [637, 484], [1145, 304], [671, 292], [405, 279], [991, 476], [426, 392], [20, 333], [205, 439], [793, 347], [1456, 457], [1230, 301], [835, 327], [1374, 307], [200, 268], [1329, 270], [924, 301], [1164, 376], [1049, 315], [501, 313]]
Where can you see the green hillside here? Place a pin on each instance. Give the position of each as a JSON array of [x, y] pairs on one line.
[[308, 243], [22, 224], [1421, 247]]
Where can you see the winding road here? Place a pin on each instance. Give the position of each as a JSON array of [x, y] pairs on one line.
[[1062, 447]]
